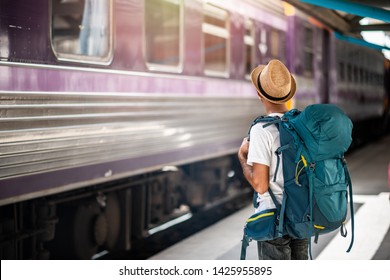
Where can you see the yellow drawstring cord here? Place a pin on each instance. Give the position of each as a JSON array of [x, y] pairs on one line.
[[297, 173]]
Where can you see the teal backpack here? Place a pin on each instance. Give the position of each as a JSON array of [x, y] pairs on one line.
[[316, 178]]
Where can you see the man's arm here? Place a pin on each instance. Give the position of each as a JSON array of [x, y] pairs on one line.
[[258, 174]]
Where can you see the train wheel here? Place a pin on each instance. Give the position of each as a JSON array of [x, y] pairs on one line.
[[76, 230], [85, 226]]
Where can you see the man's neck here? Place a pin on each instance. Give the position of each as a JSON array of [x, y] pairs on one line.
[[276, 108]]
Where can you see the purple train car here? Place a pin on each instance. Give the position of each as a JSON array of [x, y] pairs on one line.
[[118, 116]]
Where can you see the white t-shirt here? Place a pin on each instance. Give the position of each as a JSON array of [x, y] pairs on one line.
[[262, 146]]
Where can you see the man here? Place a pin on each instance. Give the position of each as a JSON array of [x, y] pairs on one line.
[[275, 86]]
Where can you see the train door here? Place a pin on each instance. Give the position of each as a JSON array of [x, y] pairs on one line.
[[324, 91]]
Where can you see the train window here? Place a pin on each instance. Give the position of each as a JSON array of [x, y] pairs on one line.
[[81, 30], [349, 72], [163, 34], [355, 74], [341, 71], [308, 52], [215, 41], [249, 42], [366, 77], [275, 43], [379, 79]]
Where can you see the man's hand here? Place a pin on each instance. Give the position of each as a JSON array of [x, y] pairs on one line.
[[243, 151]]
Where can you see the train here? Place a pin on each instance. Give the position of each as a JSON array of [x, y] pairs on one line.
[[118, 116]]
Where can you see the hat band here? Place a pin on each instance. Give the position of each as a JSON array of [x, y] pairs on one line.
[[267, 95]]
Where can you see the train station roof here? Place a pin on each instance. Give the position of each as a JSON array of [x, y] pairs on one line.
[[351, 18], [345, 16]]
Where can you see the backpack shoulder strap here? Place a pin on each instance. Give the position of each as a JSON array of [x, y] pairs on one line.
[[244, 245], [267, 120], [348, 178]]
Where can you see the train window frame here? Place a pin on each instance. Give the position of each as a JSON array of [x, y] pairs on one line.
[[82, 58], [249, 41], [214, 30], [152, 66]]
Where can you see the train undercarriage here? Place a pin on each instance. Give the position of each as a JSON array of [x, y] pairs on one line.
[[114, 216]]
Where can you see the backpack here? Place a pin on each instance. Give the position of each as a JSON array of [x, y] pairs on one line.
[[316, 177]]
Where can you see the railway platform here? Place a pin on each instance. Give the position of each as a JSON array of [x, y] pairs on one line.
[[368, 167], [213, 251]]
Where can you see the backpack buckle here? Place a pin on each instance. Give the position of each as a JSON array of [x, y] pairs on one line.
[[312, 166]]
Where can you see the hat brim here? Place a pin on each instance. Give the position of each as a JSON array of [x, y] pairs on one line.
[[254, 77]]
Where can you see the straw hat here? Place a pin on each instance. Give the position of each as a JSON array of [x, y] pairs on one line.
[[274, 82]]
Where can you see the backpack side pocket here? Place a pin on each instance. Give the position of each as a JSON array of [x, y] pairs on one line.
[[330, 194], [261, 226]]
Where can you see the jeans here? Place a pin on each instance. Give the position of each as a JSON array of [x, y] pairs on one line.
[[283, 248]]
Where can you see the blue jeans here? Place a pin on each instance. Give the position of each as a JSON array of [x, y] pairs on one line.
[[283, 248]]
